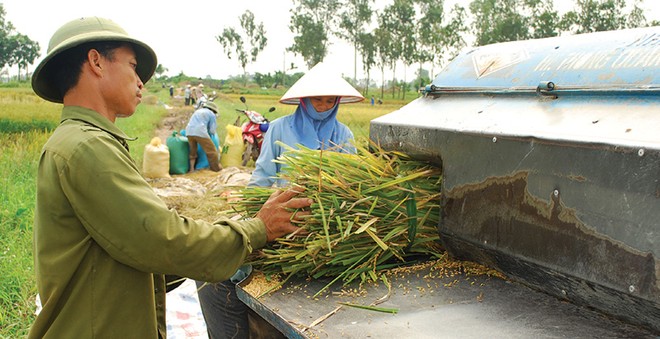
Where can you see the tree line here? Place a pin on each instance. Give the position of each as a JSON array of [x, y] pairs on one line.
[[15, 48], [385, 35], [423, 32]]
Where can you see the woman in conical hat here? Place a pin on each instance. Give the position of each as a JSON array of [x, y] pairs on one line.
[[314, 124]]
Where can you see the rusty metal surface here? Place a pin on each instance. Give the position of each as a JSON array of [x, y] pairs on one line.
[[562, 192], [588, 212]]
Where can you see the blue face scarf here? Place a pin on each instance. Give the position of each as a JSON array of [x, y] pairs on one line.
[[315, 130]]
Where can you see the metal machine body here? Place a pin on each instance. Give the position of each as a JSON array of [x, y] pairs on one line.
[[550, 151]]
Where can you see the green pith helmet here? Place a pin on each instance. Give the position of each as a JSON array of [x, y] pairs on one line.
[[211, 105], [80, 31]]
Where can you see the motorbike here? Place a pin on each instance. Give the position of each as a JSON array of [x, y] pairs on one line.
[[253, 130]]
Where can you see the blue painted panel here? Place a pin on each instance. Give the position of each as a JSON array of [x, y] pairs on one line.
[[625, 58]]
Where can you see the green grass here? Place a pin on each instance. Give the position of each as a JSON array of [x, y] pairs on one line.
[[18, 164], [26, 122]]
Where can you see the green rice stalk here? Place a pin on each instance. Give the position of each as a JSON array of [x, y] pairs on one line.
[[372, 308], [372, 210]]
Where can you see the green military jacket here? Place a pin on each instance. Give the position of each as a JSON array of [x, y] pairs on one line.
[[103, 239]]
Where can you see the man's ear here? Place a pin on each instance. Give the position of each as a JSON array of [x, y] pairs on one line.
[[95, 61]]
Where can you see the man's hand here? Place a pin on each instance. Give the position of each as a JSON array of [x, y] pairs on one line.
[[278, 213]]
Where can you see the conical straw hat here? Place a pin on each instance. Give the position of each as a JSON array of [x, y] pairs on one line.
[[321, 80]]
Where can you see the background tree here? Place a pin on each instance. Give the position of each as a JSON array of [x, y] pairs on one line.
[[352, 20], [383, 39], [498, 21], [429, 34], [636, 18], [160, 69], [254, 36], [6, 29], [15, 48], [24, 52], [453, 35], [368, 46], [543, 19], [398, 19], [312, 22], [406, 30], [602, 15]]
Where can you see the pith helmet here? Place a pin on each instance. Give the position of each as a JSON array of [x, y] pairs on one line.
[[80, 31], [211, 105], [321, 80]]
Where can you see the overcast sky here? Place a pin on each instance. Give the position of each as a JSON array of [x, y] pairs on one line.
[[183, 33]]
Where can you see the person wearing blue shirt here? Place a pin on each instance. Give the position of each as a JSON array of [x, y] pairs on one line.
[[201, 127]]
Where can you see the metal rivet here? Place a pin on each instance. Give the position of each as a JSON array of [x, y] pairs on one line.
[[555, 193], [563, 292], [494, 139], [631, 288], [640, 152]]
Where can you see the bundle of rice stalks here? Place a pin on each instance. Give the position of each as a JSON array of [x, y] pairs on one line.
[[372, 211]]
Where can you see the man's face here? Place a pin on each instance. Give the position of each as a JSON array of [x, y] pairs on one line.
[[324, 103], [121, 85]]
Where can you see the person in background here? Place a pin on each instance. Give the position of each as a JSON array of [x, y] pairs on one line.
[[201, 128], [372, 100], [200, 97], [186, 95], [103, 240], [171, 91], [314, 125], [193, 95]]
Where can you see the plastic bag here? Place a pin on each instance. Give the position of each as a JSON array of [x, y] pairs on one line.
[[179, 152], [232, 149], [156, 160]]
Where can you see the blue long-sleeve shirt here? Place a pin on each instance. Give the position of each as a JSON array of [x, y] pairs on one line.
[[202, 124]]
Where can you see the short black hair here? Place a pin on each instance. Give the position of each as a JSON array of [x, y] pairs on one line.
[[68, 65]]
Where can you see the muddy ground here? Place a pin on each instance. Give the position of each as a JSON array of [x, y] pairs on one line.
[[202, 194], [176, 120]]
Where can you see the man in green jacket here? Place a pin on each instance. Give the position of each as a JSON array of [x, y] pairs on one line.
[[102, 239]]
